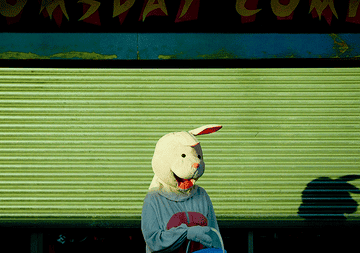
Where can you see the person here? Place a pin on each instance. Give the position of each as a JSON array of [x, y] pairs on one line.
[[177, 214]]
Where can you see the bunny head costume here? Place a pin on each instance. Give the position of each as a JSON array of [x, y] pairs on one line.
[[176, 210]]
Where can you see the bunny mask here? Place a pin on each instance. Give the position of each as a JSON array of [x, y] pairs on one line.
[[178, 161]]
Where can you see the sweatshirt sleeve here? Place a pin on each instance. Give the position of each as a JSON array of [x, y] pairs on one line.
[[157, 239], [212, 222]]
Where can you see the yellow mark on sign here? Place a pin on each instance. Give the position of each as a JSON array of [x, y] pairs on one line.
[[340, 46]]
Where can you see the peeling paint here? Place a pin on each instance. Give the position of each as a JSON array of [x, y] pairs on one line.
[[67, 55], [138, 55], [340, 46], [220, 54], [170, 57], [166, 57]]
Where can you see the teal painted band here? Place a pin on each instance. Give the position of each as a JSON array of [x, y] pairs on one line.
[[164, 46]]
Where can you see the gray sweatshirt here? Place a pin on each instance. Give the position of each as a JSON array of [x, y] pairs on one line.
[[166, 217]]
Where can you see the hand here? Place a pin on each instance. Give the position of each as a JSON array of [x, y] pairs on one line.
[[198, 234]]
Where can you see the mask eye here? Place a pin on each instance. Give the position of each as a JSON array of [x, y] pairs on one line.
[[183, 155], [199, 156]]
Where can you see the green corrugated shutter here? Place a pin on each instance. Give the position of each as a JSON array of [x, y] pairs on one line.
[[77, 144]]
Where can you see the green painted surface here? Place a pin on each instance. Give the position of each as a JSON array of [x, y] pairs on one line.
[[77, 143]]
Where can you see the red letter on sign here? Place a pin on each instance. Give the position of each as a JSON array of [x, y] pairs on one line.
[[189, 10], [284, 9], [325, 8], [153, 8], [353, 13], [247, 10], [121, 9], [12, 10], [91, 12], [56, 7]]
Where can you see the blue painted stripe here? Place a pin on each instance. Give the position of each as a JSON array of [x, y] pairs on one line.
[[130, 46], [101, 45], [248, 46]]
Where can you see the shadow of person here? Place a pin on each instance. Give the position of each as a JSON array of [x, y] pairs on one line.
[[326, 198]]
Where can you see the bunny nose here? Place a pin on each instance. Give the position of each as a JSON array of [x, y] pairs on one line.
[[196, 165]]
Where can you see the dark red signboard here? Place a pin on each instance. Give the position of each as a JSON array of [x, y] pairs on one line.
[[230, 16]]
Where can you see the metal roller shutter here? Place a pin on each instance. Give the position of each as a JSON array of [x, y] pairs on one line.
[[76, 144]]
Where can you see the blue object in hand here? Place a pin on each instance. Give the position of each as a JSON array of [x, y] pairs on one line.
[[210, 250]]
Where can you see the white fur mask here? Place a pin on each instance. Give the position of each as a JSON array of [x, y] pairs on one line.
[[178, 160]]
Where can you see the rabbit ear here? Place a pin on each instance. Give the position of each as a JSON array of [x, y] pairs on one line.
[[205, 130]]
